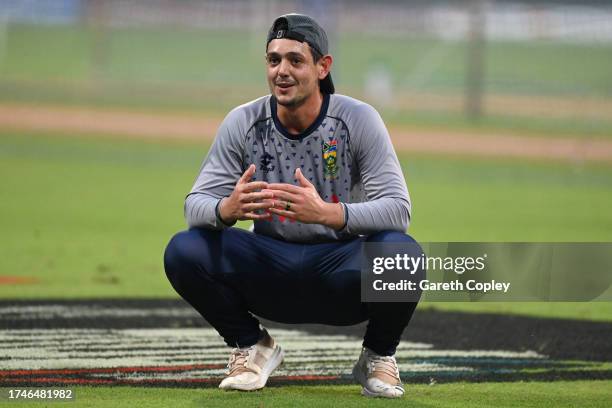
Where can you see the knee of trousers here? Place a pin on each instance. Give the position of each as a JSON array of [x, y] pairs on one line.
[[390, 237], [187, 253]]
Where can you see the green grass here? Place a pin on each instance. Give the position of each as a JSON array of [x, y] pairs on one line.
[[584, 394], [597, 311], [91, 217], [543, 67], [215, 70], [196, 55], [462, 199], [494, 124]]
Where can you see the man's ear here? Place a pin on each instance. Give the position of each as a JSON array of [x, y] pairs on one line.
[[324, 65]]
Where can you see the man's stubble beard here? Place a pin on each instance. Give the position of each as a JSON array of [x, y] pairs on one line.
[[293, 103]]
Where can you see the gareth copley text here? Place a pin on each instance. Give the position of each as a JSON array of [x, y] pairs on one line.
[[458, 265]]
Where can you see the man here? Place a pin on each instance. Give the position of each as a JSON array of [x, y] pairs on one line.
[[318, 175]]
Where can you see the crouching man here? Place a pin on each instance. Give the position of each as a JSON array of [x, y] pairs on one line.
[[318, 175]]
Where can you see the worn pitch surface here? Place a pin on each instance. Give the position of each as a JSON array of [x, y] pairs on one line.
[[164, 342]]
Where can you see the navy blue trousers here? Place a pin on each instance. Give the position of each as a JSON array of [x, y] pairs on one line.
[[230, 275]]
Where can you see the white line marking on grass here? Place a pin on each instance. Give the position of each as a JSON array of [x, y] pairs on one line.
[[138, 349]]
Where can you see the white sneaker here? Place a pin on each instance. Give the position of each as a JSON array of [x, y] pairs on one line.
[[250, 367], [378, 375]]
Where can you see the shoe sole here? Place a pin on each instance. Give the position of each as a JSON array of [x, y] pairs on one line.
[[365, 391], [272, 364]]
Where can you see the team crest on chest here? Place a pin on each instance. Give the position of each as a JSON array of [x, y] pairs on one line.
[[330, 159]]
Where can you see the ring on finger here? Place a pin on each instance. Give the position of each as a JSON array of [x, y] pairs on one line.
[[288, 205]]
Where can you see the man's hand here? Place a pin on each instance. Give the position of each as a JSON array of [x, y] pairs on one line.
[[245, 200], [303, 203]]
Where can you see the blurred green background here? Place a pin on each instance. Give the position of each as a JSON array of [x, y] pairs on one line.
[[85, 214], [550, 71]]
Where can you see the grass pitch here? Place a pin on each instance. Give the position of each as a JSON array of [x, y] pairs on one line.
[[91, 218], [584, 394]]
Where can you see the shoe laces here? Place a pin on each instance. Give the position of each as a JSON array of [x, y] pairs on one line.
[[386, 364], [238, 360]]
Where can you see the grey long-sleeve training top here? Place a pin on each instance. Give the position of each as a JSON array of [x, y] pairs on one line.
[[346, 153]]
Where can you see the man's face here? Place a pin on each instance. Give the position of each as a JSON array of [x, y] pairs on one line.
[[292, 73]]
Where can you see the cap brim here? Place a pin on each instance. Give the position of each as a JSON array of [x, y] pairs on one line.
[[326, 85]]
